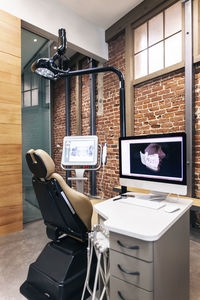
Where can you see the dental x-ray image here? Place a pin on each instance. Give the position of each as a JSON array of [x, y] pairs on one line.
[[160, 159], [153, 156]]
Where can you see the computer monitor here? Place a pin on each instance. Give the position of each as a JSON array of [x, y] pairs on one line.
[[154, 162], [80, 150]]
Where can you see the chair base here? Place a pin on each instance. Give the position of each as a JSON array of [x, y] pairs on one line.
[[58, 273]]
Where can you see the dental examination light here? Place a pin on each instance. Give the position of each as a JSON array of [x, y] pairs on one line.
[[50, 67], [42, 67], [53, 68]]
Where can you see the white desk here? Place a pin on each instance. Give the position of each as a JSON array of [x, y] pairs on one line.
[[140, 222], [159, 258]]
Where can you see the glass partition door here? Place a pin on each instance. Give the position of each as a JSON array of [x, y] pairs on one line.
[[36, 126]]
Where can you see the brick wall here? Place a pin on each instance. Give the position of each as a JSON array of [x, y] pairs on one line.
[[197, 131], [85, 99], [159, 107], [108, 125], [58, 123], [73, 106]]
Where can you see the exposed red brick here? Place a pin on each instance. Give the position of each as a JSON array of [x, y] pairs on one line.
[[159, 107]]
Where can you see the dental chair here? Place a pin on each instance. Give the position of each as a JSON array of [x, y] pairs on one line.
[[60, 270]]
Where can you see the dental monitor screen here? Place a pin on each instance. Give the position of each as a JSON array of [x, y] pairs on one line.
[[80, 150], [154, 162]]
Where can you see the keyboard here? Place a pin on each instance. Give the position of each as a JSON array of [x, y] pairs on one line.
[[142, 202]]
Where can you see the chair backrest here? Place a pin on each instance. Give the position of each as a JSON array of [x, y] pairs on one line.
[[64, 210]]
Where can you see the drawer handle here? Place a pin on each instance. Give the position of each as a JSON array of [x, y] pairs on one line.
[[120, 295], [128, 273], [128, 247]]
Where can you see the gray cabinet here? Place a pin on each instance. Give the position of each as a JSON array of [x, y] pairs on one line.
[[120, 289], [132, 270], [159, 270], [127, 245]]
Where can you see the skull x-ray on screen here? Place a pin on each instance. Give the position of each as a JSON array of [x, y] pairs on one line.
[[155, 158]]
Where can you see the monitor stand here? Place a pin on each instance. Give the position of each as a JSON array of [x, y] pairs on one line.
[[153, 196], [79, 178]]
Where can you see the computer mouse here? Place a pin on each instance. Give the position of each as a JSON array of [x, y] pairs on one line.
[[170, 208]]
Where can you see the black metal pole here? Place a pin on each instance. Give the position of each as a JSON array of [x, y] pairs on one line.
[[122, 93], [93, 122], [68, 118], [122, 112], [122, 123], [122, 88]]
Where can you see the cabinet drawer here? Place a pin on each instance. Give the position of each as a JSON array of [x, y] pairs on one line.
[[121, 290], [132, 270], [131, 246]]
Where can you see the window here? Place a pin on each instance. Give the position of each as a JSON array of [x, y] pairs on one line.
[[35, 90], [29, 89], [158, 42]]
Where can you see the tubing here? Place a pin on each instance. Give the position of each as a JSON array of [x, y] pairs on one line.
[[89, 262], [96, 276], [98, 241]]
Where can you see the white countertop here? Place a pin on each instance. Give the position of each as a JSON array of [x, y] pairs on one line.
[[140, 222]]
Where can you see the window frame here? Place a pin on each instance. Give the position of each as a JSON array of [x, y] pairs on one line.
[[139, 15], [196, 30], [31, 89], [145, 19]]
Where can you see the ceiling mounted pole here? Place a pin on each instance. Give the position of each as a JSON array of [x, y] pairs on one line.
[[92, 64], [67, 118]]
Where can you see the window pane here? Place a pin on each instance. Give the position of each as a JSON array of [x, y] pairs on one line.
[[34, 97], [27, 99], [140, 38], [156, 58], [47, 98], [173, 19], [27, 81], [141, 64], [35, 81], [173, 50], [156, 29]]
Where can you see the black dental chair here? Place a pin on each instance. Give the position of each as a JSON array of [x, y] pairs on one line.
[[60, 270]]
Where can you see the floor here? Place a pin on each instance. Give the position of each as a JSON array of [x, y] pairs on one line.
[[30, 212], [19, 249]]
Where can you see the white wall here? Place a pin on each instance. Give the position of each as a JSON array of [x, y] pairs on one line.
[[50, 15]]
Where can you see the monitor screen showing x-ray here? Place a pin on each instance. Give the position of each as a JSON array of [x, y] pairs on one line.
[[156, 162], [80, 150]]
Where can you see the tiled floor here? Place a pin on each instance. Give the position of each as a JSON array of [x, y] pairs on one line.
[[18, 250]]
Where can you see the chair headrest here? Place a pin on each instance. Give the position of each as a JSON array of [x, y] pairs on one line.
[[40, 163]]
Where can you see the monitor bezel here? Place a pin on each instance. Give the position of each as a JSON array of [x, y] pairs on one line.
[[159, 180], [82, 138]]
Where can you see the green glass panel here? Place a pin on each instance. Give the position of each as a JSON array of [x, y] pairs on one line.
[[35, 126], [35, 97]]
